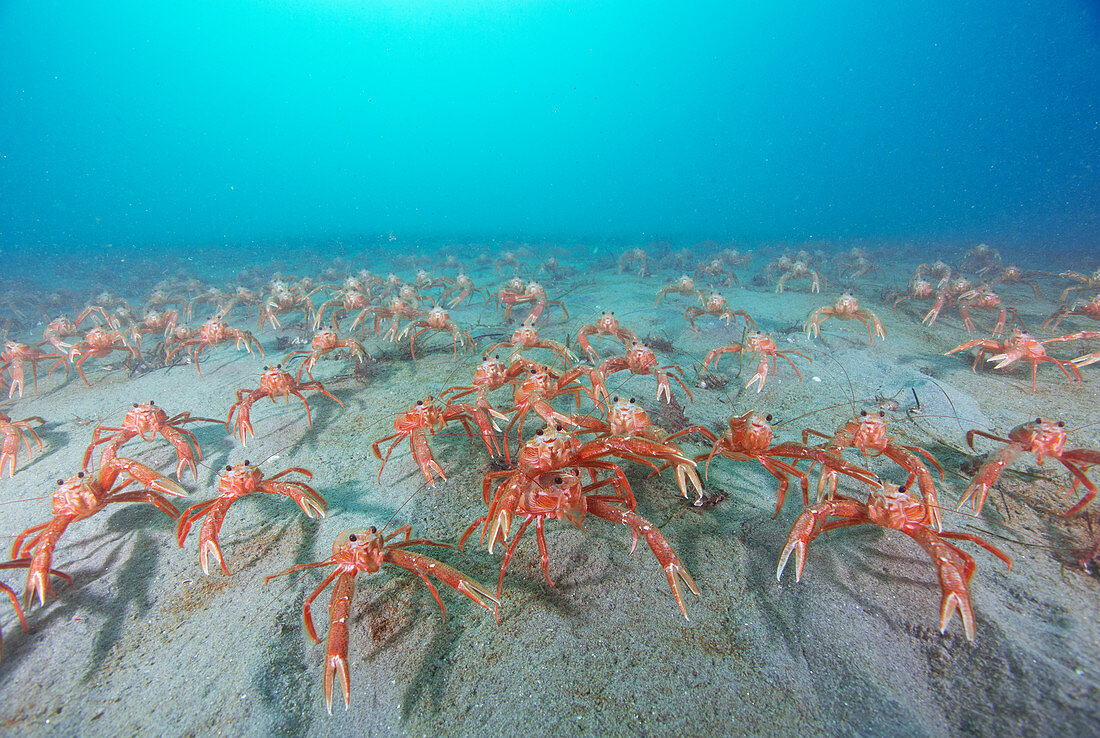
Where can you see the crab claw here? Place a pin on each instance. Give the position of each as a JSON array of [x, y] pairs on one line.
[[799, 548], [148, 477], [210, 546], [801, 532], [956, 601], [502, 523]]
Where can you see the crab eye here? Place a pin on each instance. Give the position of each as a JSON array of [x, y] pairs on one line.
[[1038, 420], [615, 398], [558, 428], [631, 400], [1061, 424], [352, 538], [419, 403], [901, 488], [229, 467], [863, 413], [372, 529], [80, 475], [266, 368], [247, 462], [60, 482], [152, 403], [135, 404], [768, 417], [539, 432], [882, 413], [557, 480]]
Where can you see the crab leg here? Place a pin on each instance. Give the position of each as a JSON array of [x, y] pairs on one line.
[[11, 445], [424, 565], [867, 315], [987, 475], [663, 385], [312, 504], [187, 448], [1073, 460], [811, 523], [499, 520], [38, 576], [484, 420], [422, 455], [243, 408], [148, 477], [215, 511], [674, 570], [151, 497], [507, 558], [908, 461], [780, 470], [954, 567], [20, 564], [336, 644]]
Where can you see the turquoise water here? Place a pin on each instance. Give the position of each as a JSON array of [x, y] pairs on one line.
[[213, 123]]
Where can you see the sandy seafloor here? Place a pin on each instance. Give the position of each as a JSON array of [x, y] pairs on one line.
[[142, 642]]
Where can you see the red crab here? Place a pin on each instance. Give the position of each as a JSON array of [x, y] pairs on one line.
[[527, 337], [640, 359], [749, 438], [147, 420], [561, 494], [1039, 437], [213, 332], [237, 481], [13, 432], [891, 506], [867, 432], [274, 383], [716, 305], [364, 551], [765, 348], [1019, 346], [606, 325], [425, 415], [14, 358], [325, 342], [80, 497]]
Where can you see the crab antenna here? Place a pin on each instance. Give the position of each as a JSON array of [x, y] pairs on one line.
[[446, 381], [25, 499], [949, 401], [1088, 425], [851, 389], [274, 454], [406, 502]]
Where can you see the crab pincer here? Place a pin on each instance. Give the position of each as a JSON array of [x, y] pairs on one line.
[[356, 551]]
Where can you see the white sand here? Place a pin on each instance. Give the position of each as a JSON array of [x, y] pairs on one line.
[[142, 642]]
